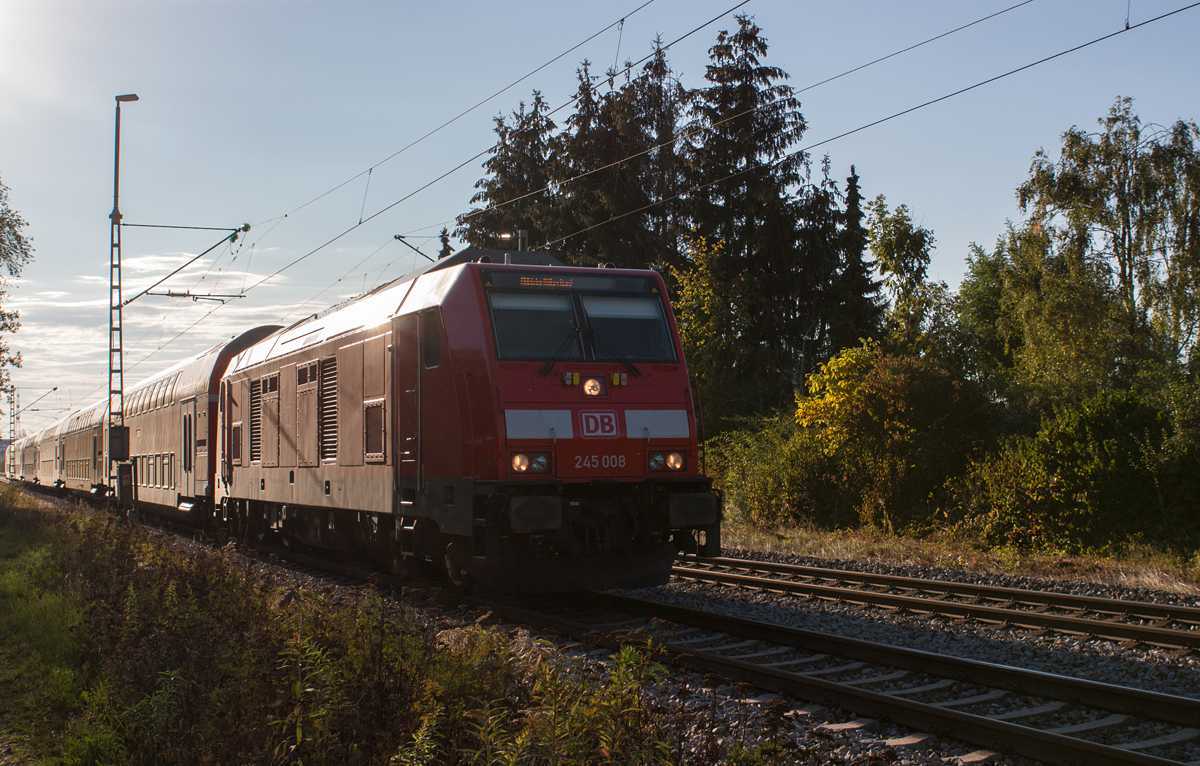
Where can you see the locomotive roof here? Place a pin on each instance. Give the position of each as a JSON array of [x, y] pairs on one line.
[[417, 289]]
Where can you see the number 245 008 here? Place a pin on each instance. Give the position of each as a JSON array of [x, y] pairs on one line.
[[599, 461]]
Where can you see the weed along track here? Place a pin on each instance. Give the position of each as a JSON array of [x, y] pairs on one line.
[[1050, 718], [1162, 625], [1023, 713], [831, 693]]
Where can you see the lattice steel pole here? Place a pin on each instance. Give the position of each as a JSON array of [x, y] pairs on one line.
[[116, 349]]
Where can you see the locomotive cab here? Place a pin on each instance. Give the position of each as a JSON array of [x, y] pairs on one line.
[[599, 480]]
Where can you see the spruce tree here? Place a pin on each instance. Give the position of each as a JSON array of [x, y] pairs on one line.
[[860, 307], [512, 196], [741, 168], [616, 175]]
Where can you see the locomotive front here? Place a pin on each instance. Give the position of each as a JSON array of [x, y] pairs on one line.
[[599, 481]]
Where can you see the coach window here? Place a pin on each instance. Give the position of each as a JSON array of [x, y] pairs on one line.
[[187, 442], [431, 340]]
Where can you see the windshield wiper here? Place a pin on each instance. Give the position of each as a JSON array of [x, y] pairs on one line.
[[558, 354], [610, 350]]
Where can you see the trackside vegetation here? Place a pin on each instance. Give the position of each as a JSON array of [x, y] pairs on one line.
[[1051, 405], [120, 647]]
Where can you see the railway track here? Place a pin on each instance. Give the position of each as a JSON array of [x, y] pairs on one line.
[[1053, 719], [1162, 625], [1049, 718]]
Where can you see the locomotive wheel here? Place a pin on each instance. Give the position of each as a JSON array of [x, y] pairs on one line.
[[458, 576]]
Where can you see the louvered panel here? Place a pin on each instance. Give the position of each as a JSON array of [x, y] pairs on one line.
[[328, 412], [255, 421]]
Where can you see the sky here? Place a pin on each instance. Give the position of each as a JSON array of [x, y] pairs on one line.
[[272, 112]]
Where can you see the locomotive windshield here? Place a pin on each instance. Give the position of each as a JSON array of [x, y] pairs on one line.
[[535, 326], [571, 317]]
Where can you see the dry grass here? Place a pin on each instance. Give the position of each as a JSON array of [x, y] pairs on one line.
[[1139, 567]]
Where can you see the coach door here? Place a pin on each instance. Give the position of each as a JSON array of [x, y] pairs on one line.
[[407, 429], [187, 461]]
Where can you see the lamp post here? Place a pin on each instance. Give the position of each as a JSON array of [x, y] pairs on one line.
[[117, 443]]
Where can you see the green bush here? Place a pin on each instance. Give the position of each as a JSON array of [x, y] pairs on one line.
[[874, 443], [1117, 468], [773, 472]]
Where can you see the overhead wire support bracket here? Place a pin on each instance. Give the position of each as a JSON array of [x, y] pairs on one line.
[[188, 294], [233, 237], [400, 238]]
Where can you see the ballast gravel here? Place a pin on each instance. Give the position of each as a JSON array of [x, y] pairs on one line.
[[1138, 666]]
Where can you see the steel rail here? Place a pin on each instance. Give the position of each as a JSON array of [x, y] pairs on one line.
[[1007, 737], [1133, 609], [1163, 637], [1121, 699]]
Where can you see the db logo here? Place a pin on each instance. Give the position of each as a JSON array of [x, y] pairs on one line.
[[598, 425]]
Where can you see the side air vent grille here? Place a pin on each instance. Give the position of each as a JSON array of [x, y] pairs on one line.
[[255, 421], [328, 409]]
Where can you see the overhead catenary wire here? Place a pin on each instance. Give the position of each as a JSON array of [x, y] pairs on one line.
[[880, 121], [277, 221], [467, 111], [464, 163], [667, 199], [689, 133]]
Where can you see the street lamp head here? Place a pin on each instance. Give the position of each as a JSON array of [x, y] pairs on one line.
[[128, 97]]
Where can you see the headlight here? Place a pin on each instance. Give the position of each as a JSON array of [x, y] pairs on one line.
[[532, 462], [594, 387], [667, 461]]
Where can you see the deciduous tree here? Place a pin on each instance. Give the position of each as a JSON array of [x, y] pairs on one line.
[[16, 250]]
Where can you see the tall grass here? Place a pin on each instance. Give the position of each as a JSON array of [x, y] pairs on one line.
[[136, 652]]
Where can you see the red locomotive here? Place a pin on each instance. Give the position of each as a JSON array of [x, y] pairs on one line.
[[525, 424]]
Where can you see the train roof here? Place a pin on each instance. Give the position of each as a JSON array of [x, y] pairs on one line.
[[414, 290]]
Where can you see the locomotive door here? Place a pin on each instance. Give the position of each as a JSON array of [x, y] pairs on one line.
[[407, 433], [188, 456]]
